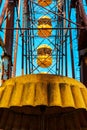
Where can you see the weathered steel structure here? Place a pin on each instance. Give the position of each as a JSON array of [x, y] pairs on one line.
[[61, 34], [61, 39], [46, 42]]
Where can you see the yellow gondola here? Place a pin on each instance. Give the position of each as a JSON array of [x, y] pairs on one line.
[[44, 2], [44, 27], [44, 58]]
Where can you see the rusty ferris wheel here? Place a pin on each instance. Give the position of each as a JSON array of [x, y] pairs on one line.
[[42, 37]]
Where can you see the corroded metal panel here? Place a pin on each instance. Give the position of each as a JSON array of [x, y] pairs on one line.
[[9, 32], [75, 120]]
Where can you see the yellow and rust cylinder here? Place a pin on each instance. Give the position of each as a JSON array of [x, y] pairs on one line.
[[44, 2], [44, 58], [44, 27]]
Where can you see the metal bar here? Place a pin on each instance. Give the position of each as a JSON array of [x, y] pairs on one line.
[[63, 34], [29, 51], [65, 44], [81, 28], [59, 54], [32, 32], [56, 44], [22, 55], [8, 39], [31, 67], [62, 51], [22, 36], [56, 14], [82, 12], [26, 51], [71, 48], [3, 12], [16, 44], [29, 41], [72, 57], [26, 25]]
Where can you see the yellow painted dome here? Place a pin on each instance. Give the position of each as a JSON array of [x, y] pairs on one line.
[[44, 2], [43, 89], [44, 26], [44, 46], [45, 16], [61, 100], [44, 58]]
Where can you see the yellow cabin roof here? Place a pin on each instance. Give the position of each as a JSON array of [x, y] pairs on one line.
[[44, 46], [43, 89], [43, 17]]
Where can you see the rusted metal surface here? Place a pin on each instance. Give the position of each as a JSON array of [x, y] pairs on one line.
[[25, 4], [85, 74], [82, 13], [3, 11], [16, 43], [82, 43], [9, 33], [82, 20], [82, 37], [8, 41], [0, 2], [11, 120], [73, 3]]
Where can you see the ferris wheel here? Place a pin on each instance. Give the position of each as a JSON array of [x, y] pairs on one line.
[[47, 38], [42, 37]]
